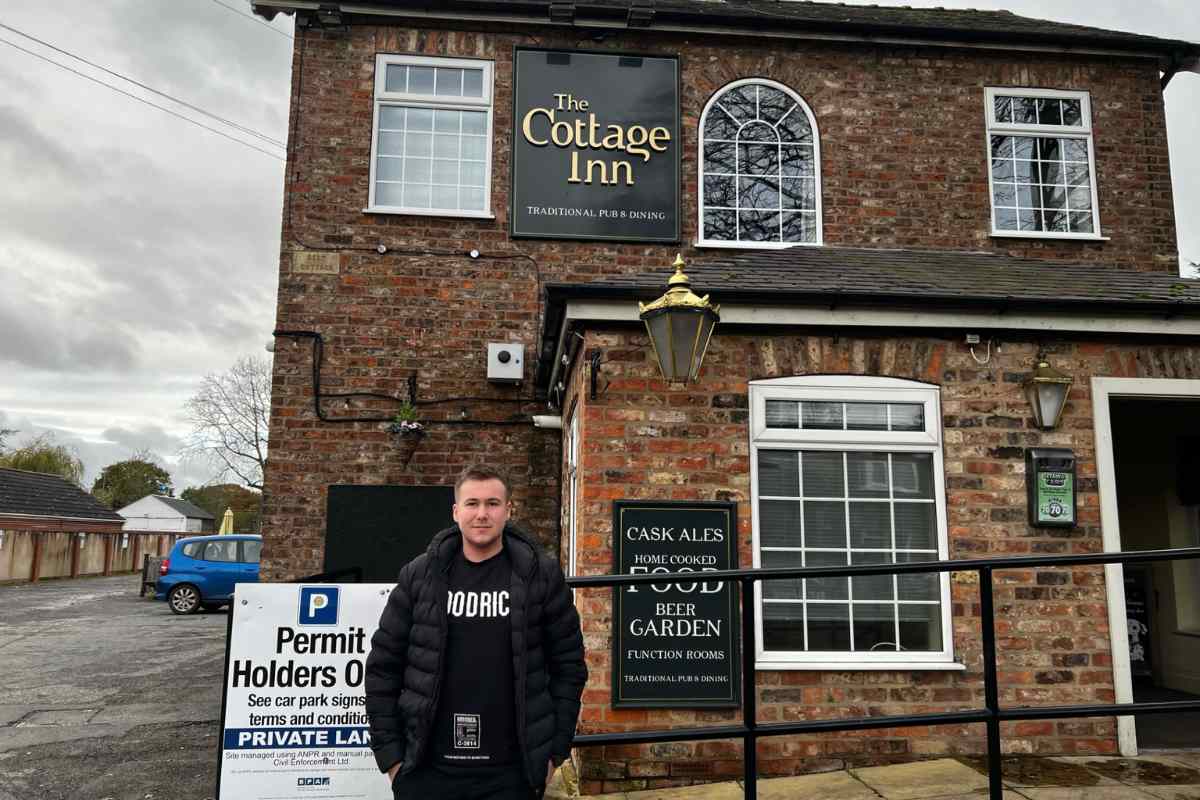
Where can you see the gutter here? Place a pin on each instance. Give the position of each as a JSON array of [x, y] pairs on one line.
[[1179, 64]]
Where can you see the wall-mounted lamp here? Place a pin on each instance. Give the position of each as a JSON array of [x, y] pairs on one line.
[[1047, 390], [680, 324]]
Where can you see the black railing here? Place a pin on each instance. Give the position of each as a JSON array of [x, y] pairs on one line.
[[991, 715]]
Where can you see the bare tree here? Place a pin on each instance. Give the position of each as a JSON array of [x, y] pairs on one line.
[[229, 416]]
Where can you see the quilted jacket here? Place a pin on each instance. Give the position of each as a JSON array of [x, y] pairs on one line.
[[405, 670]]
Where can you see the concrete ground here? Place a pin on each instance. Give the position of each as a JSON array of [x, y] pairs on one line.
[[105, 695], [1174, 776]]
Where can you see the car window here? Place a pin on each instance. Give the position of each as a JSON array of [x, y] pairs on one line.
[[192, 549], [251, 551], [221, 551]]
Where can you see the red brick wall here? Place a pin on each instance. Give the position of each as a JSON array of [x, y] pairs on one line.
[[904, 165], [641, 439]]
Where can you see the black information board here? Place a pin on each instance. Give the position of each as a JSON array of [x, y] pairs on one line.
[[675, 644], [596, 148]]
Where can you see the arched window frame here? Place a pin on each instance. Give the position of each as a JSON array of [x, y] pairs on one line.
[[704, 241]]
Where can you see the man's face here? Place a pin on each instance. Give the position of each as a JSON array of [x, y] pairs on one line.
[[481, 509]]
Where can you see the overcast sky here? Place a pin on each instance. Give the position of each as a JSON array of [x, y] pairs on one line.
[[139, 252]]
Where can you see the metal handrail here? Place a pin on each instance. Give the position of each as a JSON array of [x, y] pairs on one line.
[[991, 714]]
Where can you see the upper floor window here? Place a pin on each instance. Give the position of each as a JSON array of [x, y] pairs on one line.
[[847, 470], [760, 174], [1042, 173], [431, 146]]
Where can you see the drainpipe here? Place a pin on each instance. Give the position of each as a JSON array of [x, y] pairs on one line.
[[1185, 64]]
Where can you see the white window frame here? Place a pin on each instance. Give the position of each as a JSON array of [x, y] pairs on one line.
[[816, 135], [411, 100], [572, 476], [995, 128], [862, 389]]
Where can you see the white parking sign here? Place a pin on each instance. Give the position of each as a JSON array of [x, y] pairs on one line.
[[295, 724]]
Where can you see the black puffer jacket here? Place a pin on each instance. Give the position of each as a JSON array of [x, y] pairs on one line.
[[405, 670]]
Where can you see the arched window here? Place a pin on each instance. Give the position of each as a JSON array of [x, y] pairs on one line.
[[760, 170]]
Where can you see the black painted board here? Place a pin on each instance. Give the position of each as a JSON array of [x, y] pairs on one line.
[[381, 528], [675, 645]]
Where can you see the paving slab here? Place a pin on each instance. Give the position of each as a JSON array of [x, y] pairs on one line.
[[921, 780], [709, 791], [1173, 792], [1045, 771], [815, 787], [1087, 793], [1191, 759], [1145, 771]]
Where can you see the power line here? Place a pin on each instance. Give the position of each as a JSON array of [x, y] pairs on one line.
[[150, 89], [141, 99], [253, 18]]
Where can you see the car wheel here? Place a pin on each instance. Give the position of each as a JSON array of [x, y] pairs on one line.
[[184, 599]]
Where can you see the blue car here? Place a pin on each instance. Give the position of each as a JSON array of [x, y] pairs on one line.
[[201, 571]]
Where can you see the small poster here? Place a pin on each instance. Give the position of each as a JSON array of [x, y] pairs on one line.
[[1055, 497], [675, 644]]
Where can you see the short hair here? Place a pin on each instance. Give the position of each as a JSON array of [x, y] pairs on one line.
[[482, 472]]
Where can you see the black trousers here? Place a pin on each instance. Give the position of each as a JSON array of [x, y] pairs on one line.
[[432, 782]]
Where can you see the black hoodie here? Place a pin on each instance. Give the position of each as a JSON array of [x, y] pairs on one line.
[[405, 669]]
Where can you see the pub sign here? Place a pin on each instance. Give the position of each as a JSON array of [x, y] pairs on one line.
[[595, 150], [675, 644]]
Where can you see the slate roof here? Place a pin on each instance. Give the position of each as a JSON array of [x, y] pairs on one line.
[[41, 495], [842, 276], [185, 508], [801, 17]]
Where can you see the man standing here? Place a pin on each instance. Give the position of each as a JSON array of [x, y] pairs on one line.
[[475, 673]]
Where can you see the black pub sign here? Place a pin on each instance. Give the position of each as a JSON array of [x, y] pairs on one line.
[[595, 150], [675, 644]]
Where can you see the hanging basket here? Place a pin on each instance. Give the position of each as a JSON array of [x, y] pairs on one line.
[[406, 438]]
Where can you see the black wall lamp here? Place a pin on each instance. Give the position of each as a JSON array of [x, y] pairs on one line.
[[1047, 390]]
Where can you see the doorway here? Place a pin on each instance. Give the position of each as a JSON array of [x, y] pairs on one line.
[[1149, 467]]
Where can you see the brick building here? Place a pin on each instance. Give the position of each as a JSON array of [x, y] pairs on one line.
[[897, 210]]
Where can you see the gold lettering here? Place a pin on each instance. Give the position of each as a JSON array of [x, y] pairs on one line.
[[527, 125], [603, 170], [574, 168], [655, 135], [558, 127], [616, 168]]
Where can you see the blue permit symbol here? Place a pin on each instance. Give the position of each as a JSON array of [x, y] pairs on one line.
[[319, 605]]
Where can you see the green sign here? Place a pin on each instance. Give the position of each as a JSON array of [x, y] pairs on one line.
[[1055, 497]]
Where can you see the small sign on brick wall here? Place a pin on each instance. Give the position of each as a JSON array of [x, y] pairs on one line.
[[675, 644], [316, 263]]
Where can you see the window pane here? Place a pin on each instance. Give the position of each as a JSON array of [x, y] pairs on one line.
[[449, 82], [1024, 110], [873, 587], [470, 199], [918, 586], [1029, 220], [1002, 147], [720, 190], [867, 474], [866, 417], [445, 145], [824, 523], [1072, 112], [391, 118], [720, 157], [391, 144], [826, 588], [758, 132], [445, 171], [779, 523], [416, 196], [719, 125], [472, 173], [1004, 194], [389, 169], [1003, 107], [907, 416], [914, 526], [773, 104], [871, 525], [396, 78], [420, 80], [418, 144], [472, 83], [798, 193], [795, 127], [446, 121], [1049, 111], [912, 475], [819, 416], [474, 122], [1052, 172], [1054, 197], [389, 194], [417, 170], [221, 551], [740, 103], [783, 414], [1075, 149], [758, 159], [1024, 146], [474, 147], [419, 119], [801, 227], [444, 197], [786, 589], [921, 627], [796, 160], [779, 473], [1078, 175], [783, 626], [874, 627], [1002, 169], [823, 474], [251, 551], [720, 225], [758, 193], [1006, 219], [758, 226], [1081, 222], [829, 627]]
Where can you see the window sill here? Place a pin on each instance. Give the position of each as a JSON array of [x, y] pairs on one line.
[[1070, 237], [1193, 632], [700, 244], [860, 666], [425, 212]]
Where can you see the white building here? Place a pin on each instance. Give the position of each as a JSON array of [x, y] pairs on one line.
[[156, 512]]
